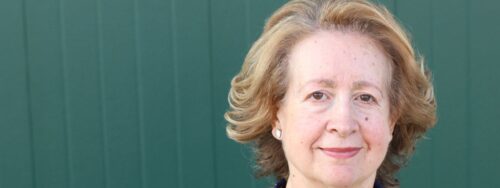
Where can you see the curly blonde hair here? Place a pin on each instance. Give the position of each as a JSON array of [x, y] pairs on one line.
[[262, 82]]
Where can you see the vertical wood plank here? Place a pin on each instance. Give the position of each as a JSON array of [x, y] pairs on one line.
[[82, 78], [15, 138], [119, 77], [483, 127], [229, 48], [140, 93], [154, 23], [449, 21], [102, 94], [47, 93], [193, 93]]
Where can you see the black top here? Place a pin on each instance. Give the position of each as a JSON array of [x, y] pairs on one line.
[[282, 184]]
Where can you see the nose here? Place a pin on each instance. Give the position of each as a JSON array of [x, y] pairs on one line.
[[342, 118]]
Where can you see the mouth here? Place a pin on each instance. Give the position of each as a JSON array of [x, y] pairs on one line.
[[341, 152]]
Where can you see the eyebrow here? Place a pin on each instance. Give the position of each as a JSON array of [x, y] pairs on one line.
[[331, 84], [364, 84], [323, 82]]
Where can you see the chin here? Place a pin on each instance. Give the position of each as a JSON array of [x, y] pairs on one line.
[[339, 178], [339, 182]]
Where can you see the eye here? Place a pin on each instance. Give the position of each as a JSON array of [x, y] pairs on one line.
[[366, 98], [318, 95]]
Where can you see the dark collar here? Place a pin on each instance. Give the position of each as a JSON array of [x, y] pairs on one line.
[[282, 184]]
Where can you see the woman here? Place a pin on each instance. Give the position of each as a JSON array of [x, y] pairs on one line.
[[331, 95]]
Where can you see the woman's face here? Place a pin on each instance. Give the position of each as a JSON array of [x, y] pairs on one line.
[[335, 115]]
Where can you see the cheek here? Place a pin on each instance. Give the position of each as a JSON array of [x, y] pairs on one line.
[[376, 132], [303, 128], [375, 125]]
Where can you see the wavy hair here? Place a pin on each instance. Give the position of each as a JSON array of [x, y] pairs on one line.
[[262, 82]]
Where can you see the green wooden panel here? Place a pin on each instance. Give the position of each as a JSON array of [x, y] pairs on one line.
[[450, 134], [111, 93], [15, 130], [228, 36], [195, 130], [483, 127], [48, 103], [84, 114], [120, 94], [156, 93]]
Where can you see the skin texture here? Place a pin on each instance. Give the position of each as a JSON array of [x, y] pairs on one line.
[[337, 97]]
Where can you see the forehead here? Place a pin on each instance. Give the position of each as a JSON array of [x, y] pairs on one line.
[[335, 55]]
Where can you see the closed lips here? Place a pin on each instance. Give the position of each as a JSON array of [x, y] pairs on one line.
[[341, 152]]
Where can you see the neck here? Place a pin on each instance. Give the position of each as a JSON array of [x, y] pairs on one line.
[[297, 180]]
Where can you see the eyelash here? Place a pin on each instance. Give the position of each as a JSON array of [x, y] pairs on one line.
[[319, 96], [316, 94], [371, 98]]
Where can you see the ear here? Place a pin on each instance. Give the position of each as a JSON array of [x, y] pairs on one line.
[[392, 126], [277, 126], [393, 120]]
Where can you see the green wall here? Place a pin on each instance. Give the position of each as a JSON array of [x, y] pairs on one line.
[[131, 93]]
